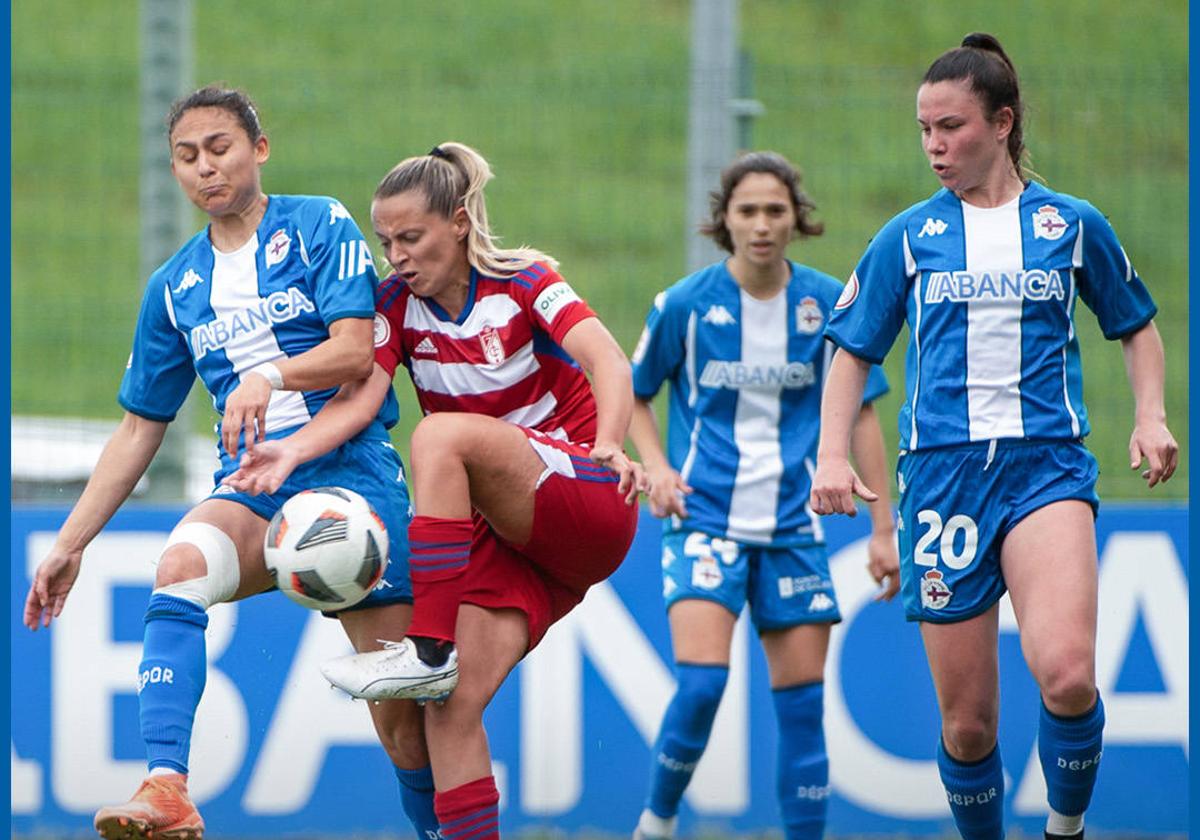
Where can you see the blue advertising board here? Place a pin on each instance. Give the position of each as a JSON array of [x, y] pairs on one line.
[[277, 753]]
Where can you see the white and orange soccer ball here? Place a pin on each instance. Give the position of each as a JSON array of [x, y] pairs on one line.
[[326, 548]]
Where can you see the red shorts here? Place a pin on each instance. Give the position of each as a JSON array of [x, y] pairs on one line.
[[582, 529]]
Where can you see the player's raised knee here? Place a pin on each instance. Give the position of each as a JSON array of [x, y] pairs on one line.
[[199, 564]]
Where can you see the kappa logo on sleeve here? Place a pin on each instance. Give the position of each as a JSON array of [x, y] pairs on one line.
[[337, 211]]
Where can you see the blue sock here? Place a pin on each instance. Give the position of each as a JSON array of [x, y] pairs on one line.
[[1070, 748], [684, 734], [171, 678], [416, 797], [976, 794], [803, 766]]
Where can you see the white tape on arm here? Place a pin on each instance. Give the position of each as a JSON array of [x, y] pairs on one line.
[[221, 580], [269, 372]]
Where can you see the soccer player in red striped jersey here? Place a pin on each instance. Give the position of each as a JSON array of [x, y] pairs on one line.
[[523, 495]]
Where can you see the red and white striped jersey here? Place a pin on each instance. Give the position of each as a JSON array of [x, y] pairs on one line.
[[502, 356]]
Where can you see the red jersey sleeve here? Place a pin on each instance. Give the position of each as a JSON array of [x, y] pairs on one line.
[[552, 303], [390, 301]]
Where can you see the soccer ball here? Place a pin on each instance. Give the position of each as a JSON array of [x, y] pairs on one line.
[[326, 548]]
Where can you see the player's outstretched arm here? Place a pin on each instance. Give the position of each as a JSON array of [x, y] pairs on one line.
[[122, 462], [870, 455], [1151, 440], [264, 468], [591, 344], [835, 483], [346, 356]]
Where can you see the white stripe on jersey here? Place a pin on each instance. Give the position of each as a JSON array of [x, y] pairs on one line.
[[992, 241], [754, 502], [170, 305], [234, 290], [910, 266], [530, 416], [468, 379], [493, 311], [1070, 338], [689, 360]]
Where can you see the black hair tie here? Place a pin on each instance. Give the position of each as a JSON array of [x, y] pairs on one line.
[[437, 152]]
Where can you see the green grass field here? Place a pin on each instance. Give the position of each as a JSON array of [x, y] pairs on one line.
[[582, 109]]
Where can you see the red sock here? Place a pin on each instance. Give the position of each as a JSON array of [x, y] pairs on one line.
[[439, 551], [470, 811]]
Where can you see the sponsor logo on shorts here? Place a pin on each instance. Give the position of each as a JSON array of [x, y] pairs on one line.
[[789, 586], [820, 603], [1047, 224], [668, 557], [278, 247], [809, 316], [706, 574], [935, 594], [669, 586]]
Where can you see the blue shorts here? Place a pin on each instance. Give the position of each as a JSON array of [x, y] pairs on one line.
[[957, 504], [370, 467], [786, 586]]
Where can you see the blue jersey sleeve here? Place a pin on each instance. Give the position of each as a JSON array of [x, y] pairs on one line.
[[160, 372], [1108, 283], [660, 350], [877, 385], [341, 273], [868, 315]]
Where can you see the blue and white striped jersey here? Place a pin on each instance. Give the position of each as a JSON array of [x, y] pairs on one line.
[[220, 314], [745, 398], [989, 296]]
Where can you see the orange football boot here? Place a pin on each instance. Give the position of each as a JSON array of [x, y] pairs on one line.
[[160, 810]]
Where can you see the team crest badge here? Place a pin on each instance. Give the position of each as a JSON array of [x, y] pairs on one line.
[[809, 316], [1047, 224], [706, 573], [493, 347], [935, 594], [849, 293], [383, 330], [278, 247]]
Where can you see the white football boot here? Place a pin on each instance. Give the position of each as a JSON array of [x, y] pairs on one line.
[[396, 672]]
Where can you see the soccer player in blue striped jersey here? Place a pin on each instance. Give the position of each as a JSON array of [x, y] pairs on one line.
[[741, 345], [996, 488], [272, 306]]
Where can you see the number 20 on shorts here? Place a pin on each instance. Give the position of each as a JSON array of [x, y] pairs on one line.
[[946, 535]]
